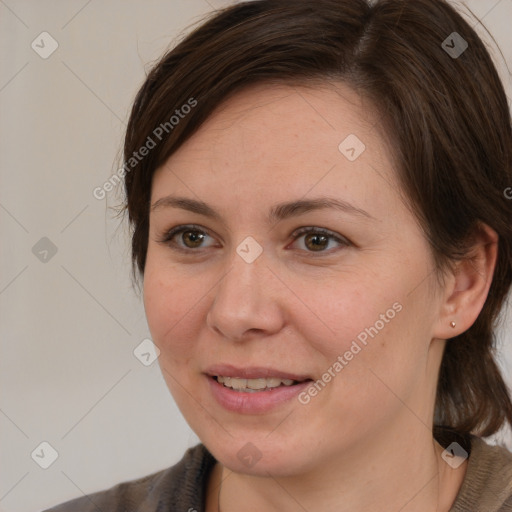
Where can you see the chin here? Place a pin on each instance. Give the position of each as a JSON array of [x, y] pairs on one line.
[[248, 454]]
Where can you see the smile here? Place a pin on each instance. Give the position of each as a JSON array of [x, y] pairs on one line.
[[254, 385]]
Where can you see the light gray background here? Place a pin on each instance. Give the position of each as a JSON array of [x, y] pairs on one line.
[[69, 325]]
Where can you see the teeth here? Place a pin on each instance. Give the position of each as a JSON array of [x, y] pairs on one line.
[[253, 384]]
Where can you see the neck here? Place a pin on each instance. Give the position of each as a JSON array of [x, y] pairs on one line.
[[405, 473]]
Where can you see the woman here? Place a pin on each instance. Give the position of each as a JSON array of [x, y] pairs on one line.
[[318, 196]]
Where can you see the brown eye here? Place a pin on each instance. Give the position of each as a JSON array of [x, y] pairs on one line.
[[318, 239], [316, 242], [185, 238], [192, 239]]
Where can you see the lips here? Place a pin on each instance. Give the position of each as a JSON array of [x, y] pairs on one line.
[[249, 400], [253, 372]]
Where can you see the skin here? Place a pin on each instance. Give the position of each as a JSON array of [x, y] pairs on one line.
[[364, 443]]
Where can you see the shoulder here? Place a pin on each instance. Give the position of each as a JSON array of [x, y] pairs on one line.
[[181, 486], [487, 486]]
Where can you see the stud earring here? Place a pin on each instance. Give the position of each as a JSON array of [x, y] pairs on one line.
[[453, 324]]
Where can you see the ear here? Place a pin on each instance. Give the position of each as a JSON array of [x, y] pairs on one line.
[[467, 286]]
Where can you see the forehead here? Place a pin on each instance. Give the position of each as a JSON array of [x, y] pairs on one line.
[[292, 138], [292, 112]]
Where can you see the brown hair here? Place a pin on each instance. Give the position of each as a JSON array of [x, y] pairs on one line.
[[447, 116]]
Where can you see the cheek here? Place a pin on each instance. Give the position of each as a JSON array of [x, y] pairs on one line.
[[171, 302], [335, 311], [359, 332]]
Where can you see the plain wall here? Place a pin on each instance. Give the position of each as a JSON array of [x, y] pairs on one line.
[[70, 321]]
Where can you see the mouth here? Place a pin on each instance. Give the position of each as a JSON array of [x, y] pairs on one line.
[[254, 390], [254, 377], [258, 385]]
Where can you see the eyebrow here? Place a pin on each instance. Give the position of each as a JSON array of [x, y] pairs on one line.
[[278, 212]]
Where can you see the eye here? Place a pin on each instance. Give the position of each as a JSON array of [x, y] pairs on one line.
[[318, 239], [191, 237]]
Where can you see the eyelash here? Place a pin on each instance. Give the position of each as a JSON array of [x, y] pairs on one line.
[[167, 238]]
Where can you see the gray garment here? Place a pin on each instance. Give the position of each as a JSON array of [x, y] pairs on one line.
[[487, 486]]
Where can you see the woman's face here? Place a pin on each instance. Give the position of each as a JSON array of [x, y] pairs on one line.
[[267, 281]]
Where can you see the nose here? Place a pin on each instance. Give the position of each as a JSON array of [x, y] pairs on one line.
[[247, 301]]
